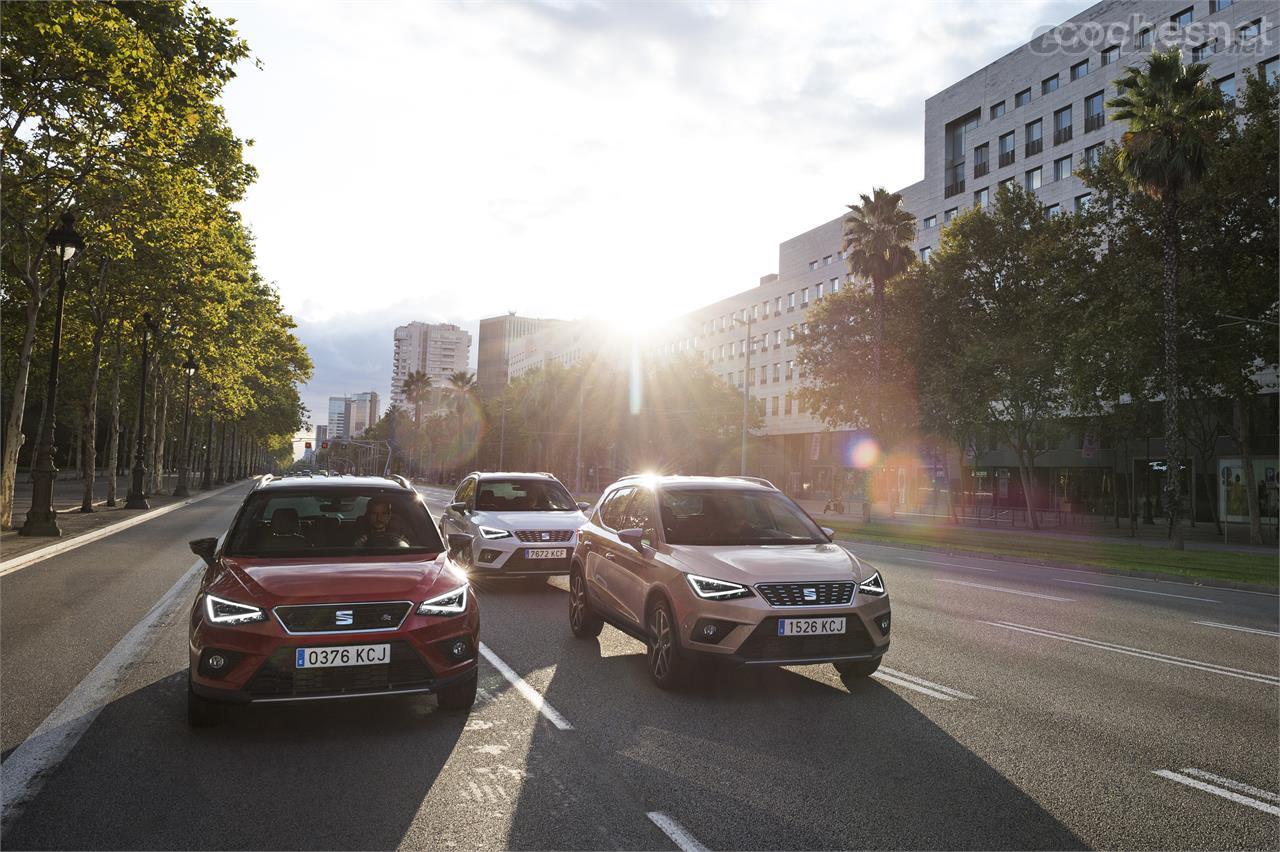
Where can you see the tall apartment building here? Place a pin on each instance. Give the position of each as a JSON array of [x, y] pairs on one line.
[[501, 339], [437, 349], [1031, 117], [350, 415], [322, 434], [337, 426]]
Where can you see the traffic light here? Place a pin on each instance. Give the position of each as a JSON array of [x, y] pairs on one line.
[[324, 445], [307, 445]]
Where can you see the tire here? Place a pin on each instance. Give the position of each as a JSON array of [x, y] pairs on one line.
[[201, 712], [583, 620], [667, 667], [857, 668], [459, 695]]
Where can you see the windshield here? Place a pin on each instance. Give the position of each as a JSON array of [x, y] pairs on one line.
[[523, 495], [296, 522], [724, 517]]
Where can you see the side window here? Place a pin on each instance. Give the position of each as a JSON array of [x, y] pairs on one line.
[[641, 515], [612, 511], [466, 492]]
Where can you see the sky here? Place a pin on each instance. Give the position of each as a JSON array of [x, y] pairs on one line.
[[448, 161]]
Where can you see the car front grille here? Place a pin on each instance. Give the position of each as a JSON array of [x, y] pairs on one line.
[[544, 535], [278, 677], [764, 643], [807, 594], [325, 618]]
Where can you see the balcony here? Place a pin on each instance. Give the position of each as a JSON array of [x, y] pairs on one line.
[[1007, 158], [981, 169], [1062, 134], [1094, 122], [1035, 146], [953, 189]]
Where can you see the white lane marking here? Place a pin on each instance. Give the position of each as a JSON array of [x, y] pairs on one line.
[[1218, 791], [31, 763], [19, 562], [1138, 652], [941, 696], [678, 834], [957, 693], [1003, 589], [1131, 589], [531, 695], [1241, 629], [1235, 785], [947, 564]]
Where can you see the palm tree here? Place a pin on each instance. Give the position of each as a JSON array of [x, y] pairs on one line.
[[1172, 110], [462, 383], [878, 235], [417, 388]]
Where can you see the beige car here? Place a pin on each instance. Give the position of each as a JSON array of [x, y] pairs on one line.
[[723, 568]]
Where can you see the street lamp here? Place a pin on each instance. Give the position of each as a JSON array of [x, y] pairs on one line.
[[42, 520], [746, 384], [137, 488], [207, 481], [184, 451]]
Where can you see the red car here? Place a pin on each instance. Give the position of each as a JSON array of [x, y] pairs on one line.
[[331, 588]]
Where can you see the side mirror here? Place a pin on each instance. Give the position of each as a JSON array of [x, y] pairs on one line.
[[205, 548], [828, 532], [584, 505], [460, 547], [633, 537], [460, 508]]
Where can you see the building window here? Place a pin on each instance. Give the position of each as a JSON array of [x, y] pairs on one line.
[[1079, 69], [826, 261], [981, 160], [804, 297], [1062, 168], [1270, 70], [777, 372], [835, 286], [1111, 54], [1053, 210], [791, 300], [957, 134], [981, 198], [1022, 98], [1093, 153], [1216, 6], [930, 222], [1227, 85], [790, 368], [1142, 40], [1033, 179], [924, 254], [1006, 149], [817, 291], [1184, 17], [948, 215], [1082, 202], [997, 110], [813, 264], [1201, 52], [787, 405], [1049, 84], [1006, 182], [775, 406], [1034, 137], [742, 378], [1094, 115], [777, 340], [1062, 125], [777, 306]]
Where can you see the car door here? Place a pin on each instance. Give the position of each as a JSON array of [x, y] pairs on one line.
[[452, 521], [603, 549], [633, 569]]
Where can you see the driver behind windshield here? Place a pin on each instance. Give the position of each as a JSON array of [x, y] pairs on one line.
[[377, 518]]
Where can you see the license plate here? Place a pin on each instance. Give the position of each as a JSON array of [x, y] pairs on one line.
[[342, 655], [547, 553], [810, 626]]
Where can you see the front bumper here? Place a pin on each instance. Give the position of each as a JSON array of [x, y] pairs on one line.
[[508, 557]]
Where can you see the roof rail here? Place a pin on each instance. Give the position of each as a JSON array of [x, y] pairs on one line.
[[263, 480], [758, 480], [395, 477]]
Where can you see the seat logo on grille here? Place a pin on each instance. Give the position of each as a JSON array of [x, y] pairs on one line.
[[811, 594], [343, 617], [546, 536]]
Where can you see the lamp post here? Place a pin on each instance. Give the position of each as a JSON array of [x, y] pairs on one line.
[[42, 520], [746, 385], [137, 487], [222, 458], [184, 449], [206, 482]]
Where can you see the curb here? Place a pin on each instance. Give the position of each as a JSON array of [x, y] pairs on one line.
[[18, 562], [1180, 579]]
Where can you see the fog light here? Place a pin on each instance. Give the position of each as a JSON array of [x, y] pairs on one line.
[[216, 662], [883, 623], [711, 630], [457, 649], [487, 555]]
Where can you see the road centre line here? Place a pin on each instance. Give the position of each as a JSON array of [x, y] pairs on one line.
[[947, 564], [522, 686], [677, 833], [1007, 591], [1235, 785], [1241, 629], [1218, 791], [928, 683], [1131, 589], [941, 696], [27, 767], [1138, 652]]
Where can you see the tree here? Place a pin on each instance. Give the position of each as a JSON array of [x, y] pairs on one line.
[[1172, 110]]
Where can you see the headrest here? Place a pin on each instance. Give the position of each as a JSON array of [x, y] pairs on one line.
[[284, 521]]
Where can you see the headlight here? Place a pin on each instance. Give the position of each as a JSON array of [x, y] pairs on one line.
[[873, 585], [494, 532], [222, 611], [719, 590], [450, 603]]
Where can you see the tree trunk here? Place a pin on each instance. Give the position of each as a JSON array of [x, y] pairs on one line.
[[1210, 479], [91, 403], [149, 486], [113, 432], [1028, 486], [162, 438], [13, 437], [1172, 385], [1243, 420]]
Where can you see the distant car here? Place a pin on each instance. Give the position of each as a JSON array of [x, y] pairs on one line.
[[330, 588], [521, 524], [724, 569]]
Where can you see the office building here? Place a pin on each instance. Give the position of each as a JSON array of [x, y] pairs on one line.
[[437, 349], [502, 339]]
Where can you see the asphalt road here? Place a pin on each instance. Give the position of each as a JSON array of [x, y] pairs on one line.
[[1021, 707]]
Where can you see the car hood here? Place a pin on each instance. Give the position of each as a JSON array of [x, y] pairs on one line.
[[531, 520], [783, 563], [310, 580]]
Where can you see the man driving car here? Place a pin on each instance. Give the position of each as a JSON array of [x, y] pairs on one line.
[[377, 517]]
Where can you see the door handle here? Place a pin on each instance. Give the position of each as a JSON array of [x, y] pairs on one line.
[[610, 557]]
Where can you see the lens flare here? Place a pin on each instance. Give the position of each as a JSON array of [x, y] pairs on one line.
[[866, 452]]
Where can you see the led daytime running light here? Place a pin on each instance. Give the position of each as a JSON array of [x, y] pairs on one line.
[[450, 603], [873, 585], [493, 532], [222, 611], [712, 589]]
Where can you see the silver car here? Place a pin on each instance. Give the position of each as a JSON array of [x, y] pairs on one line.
[[521, 524], [728, 569]]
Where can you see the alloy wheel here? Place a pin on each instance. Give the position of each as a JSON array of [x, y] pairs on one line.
[[660, 644], [576, 600]]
